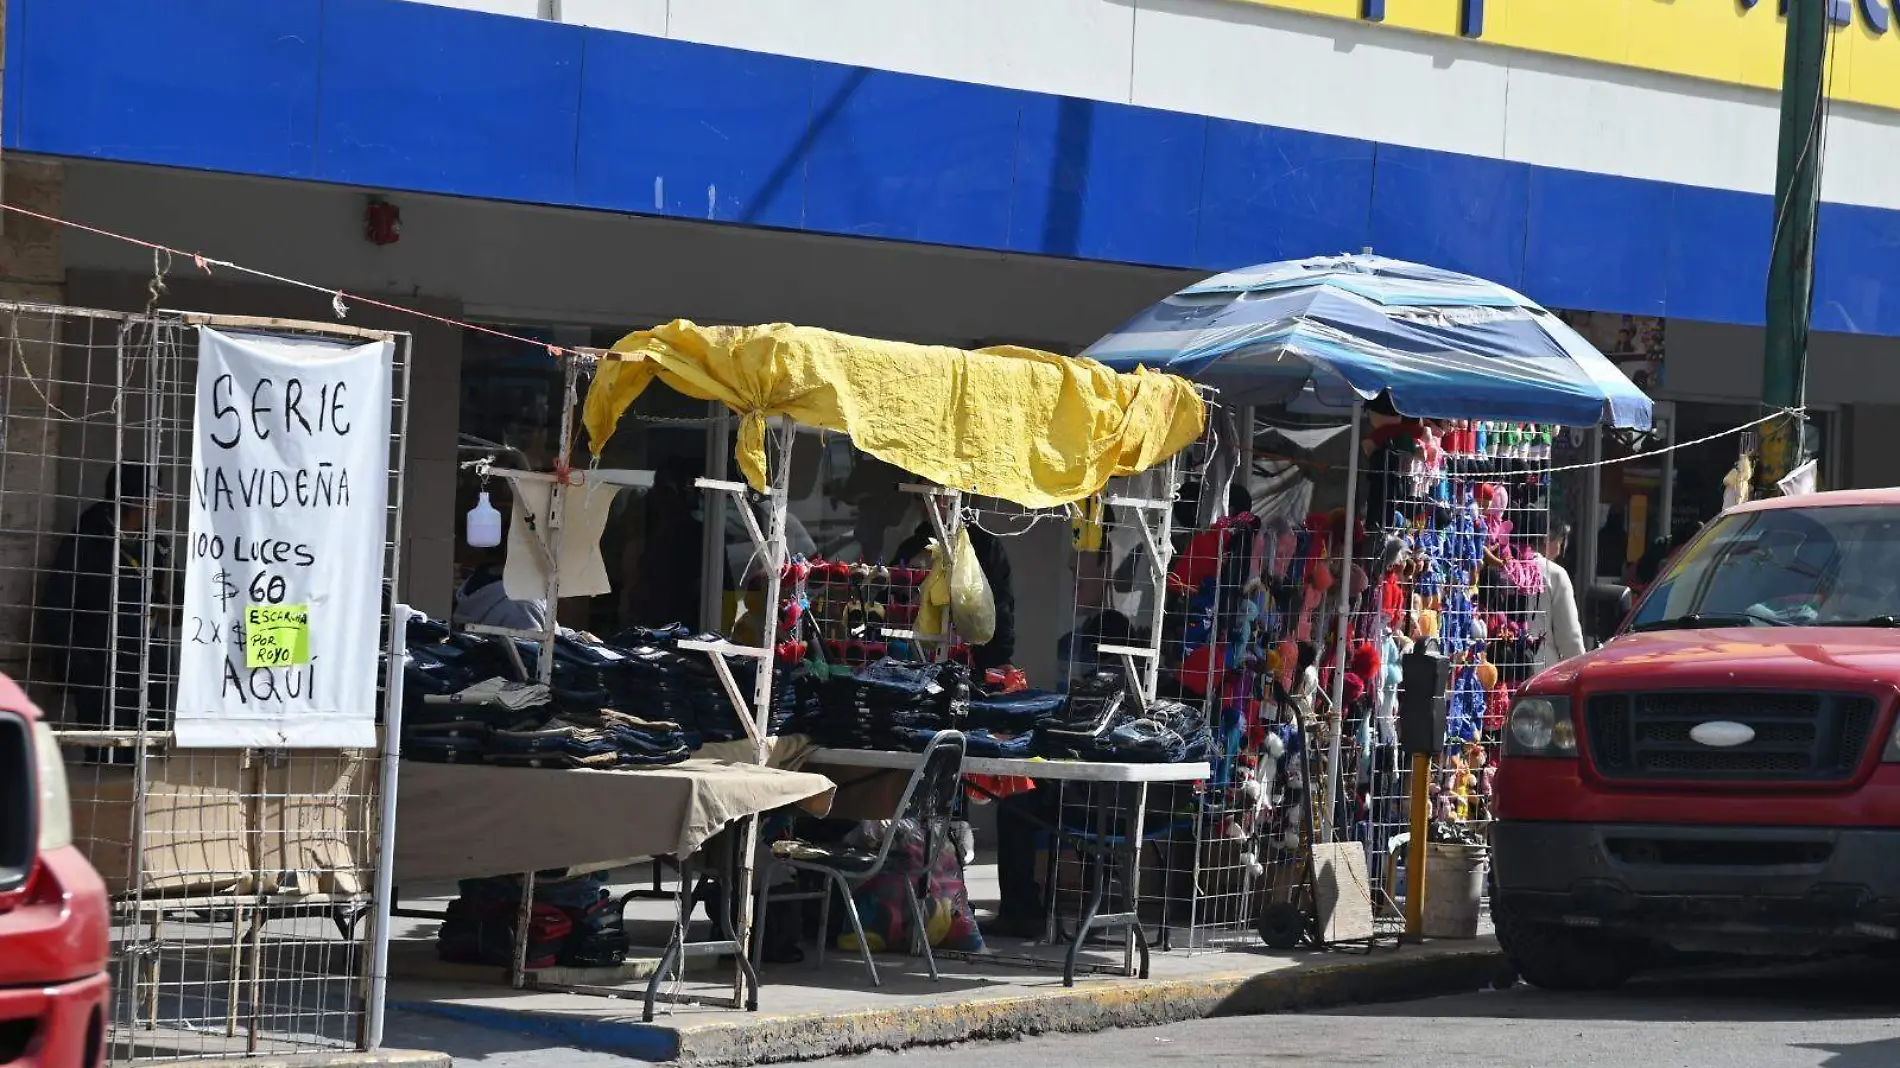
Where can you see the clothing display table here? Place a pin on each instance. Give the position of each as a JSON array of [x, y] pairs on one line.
[[1123, 848], [462, 821]]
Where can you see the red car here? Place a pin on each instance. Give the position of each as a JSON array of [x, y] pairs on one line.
[[1724, 774], [54, 913]]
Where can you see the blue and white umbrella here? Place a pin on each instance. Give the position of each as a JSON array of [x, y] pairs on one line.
[[1437, 344]]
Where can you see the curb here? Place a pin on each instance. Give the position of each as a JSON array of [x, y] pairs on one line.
[[753, 1040], [376, 1058]]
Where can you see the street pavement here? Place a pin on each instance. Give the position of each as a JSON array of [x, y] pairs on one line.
[[1836, 1015], [1842, 1015]]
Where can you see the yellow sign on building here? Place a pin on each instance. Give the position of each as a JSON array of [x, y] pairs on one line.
[[1734, 41]]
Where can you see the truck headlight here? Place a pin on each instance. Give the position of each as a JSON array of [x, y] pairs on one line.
[[1540, 726]]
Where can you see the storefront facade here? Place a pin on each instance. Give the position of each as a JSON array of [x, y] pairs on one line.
[[1023, 170]]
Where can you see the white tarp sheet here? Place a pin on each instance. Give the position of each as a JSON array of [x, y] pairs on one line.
[[284, 568]]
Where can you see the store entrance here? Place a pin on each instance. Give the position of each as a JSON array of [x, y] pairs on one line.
[[1652, 504]]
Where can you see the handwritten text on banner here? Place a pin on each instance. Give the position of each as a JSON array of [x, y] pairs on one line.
[[284, 574]]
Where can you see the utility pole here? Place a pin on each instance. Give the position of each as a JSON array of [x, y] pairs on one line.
[[1784, 373]]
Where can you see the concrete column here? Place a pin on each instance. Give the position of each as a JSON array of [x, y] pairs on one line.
[[31, 270]]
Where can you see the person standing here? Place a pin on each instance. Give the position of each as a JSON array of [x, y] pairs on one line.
[[1554, 611], [81, 604]]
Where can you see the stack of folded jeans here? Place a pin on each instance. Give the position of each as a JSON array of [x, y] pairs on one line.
[[662, 682], [458, 728], [620, 741], [1019, 712], [1100, 723], [1170, 732], [455, 694], [866, 708], [1094, 706], [996, 725], [607, 706]]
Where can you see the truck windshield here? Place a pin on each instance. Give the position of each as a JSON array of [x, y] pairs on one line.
[[1801, 567]]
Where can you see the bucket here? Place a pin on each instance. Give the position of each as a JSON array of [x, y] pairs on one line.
[[1454, 886]]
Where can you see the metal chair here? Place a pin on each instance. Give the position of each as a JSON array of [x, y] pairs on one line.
[[929, 801]]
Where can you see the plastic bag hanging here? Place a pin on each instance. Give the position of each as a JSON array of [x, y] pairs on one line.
[[972, 604], [965, 592]]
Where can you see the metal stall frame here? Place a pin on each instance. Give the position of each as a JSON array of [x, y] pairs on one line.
[[734, 922], [144, 918]]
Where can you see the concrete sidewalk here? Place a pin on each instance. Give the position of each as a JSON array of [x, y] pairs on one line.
[[808, 1013]]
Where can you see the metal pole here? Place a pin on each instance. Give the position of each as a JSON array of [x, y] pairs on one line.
[[712, 592], [1590, 526], [1415, 849], [1784, 375], [544, 667], [386, 826], [1666, 520], [1341, 648], [776, 556]]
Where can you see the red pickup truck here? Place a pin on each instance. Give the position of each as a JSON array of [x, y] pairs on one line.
[[54, 913], [1724, 774]]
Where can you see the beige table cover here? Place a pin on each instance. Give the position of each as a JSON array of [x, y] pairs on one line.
[[464, 821]]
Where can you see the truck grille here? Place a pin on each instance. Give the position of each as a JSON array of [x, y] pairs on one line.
[[17, 802], [1800, 737]]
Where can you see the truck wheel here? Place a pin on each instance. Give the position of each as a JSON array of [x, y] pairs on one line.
[[1558, 958]]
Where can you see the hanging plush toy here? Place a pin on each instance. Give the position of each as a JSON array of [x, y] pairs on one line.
[[1285, 663], [1259, 796], [1391, 675], [1463, 782], [1363, 671], [1465, 712], [1497, 707], [1319, 579], [1305, 686]]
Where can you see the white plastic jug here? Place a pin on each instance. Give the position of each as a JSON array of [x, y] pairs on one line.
[[484, 524]]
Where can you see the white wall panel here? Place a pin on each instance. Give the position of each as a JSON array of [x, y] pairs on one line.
[[1073, 47], [1640, 125], [626, 16], [1260, 64], [1862, 165], [527, 9]]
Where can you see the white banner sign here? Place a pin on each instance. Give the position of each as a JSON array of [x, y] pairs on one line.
[[284, 572]]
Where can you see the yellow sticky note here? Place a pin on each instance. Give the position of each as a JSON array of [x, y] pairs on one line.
[[276, 635]]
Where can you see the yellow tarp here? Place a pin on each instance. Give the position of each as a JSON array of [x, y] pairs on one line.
[[1026, 426]]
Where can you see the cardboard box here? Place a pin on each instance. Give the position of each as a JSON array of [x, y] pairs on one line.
[[216, 823], [194, 829], [315, 818]]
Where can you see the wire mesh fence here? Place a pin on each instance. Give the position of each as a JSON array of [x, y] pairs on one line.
[[1461, 564], [241, 879]]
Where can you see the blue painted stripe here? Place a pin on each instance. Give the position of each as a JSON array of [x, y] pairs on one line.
[[641, 1041], [404, 96]]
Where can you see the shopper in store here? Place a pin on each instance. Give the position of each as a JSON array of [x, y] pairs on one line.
[[665, 586], [1656, 558], [482, 599], [1555, 610]]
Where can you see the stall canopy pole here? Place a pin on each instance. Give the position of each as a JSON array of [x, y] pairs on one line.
[[712, 576], [1590, 524], [776, 557], [544, 665], [398, 651], [1341, 649]]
